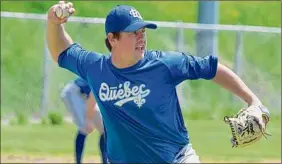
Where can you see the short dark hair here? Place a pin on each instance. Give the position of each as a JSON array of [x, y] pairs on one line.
[[108, 44]]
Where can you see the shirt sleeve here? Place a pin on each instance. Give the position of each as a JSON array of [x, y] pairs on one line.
[[77, 60], [83, 85], [184, 66]]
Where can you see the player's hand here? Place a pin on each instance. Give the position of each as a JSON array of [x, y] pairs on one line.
[[68, 11]]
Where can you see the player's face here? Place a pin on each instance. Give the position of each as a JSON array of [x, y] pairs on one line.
[[133, 42]]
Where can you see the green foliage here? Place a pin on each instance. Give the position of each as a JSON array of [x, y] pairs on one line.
[[45, 121], [22, 118], [230, 12], [13, 121], [55, 118]]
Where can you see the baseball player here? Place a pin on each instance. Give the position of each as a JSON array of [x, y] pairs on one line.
[[78, 99], [135, 88]]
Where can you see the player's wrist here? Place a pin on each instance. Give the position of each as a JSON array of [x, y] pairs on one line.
[[254, 101], [54, 25]]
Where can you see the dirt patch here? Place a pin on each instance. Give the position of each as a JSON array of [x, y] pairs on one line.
[[45, 159], [92, 159], [242, 161]]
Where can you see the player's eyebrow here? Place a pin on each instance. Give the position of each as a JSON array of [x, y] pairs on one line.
[[142, 30]]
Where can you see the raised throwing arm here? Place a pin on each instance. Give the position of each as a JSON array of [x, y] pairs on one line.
[[58, 39]]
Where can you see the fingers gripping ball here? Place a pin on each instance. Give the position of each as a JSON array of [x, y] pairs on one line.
[[62, 11]]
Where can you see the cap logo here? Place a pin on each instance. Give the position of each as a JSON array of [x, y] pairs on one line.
[[135, 14]]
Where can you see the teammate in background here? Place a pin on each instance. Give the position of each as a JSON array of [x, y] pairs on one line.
[[78, 99], [136, 88]]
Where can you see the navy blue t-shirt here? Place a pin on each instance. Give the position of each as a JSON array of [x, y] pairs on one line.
[[139, 104]]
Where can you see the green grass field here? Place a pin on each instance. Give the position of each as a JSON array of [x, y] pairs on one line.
[[210, 139]]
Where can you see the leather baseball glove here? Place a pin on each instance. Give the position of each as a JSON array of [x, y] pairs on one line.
[[248, 125]]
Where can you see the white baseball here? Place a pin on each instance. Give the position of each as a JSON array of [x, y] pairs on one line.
[[62, 12]]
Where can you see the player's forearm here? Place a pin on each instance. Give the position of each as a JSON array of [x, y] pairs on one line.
[[229, 80], [58, 39]]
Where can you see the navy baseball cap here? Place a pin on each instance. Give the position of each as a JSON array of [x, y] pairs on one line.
[[123, 18]]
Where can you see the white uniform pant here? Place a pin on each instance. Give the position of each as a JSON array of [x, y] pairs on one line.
[[75, 102], [187, 155]]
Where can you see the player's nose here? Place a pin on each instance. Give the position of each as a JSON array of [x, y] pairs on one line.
[[141, 37]]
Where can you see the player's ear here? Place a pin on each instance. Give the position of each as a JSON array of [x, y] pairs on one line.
[[111, 38]]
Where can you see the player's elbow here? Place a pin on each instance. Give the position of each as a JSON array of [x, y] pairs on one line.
[[55, 59], [55, 53], [54, 56]]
